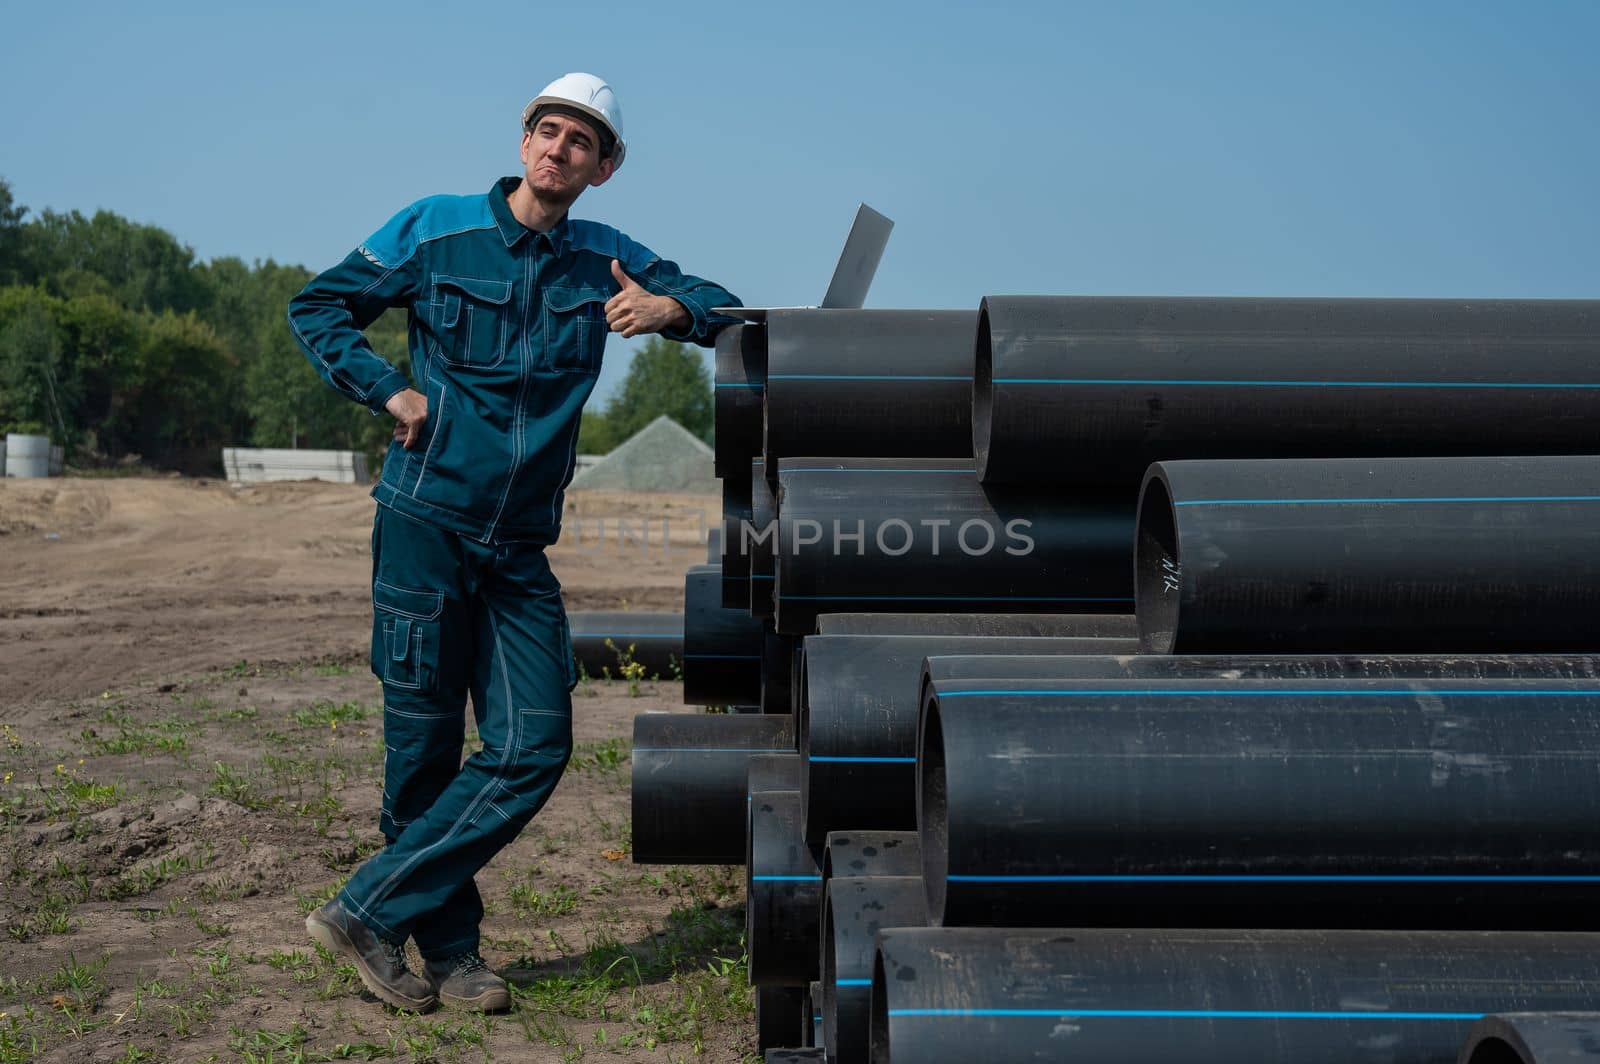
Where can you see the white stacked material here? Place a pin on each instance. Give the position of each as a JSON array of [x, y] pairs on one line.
[[255, 464], [662, 456], [27, 456]]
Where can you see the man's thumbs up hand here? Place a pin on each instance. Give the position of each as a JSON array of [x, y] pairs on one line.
[[623, 280], [633, 311]]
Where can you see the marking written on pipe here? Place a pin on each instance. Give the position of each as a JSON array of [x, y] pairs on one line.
[[1283, 878], [1372, 501], [1282, 692], [1192, 1014], [1290, 384]]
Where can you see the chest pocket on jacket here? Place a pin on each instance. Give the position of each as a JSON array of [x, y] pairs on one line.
[[574, 327], [471, 319]]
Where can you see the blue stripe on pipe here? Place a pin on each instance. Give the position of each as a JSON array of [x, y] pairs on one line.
[[741, 384], [763, 576], [961, 598], [864, 760], [1193, 1014], [786, 879], [1289, 383], [1285, 878], [1236, 693], [1402, 499], [862, 377], [852, 982]]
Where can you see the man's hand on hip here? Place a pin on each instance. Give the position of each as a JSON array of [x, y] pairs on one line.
[[633, 310], [410, 410]]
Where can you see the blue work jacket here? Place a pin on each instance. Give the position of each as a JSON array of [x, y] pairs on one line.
[[506, 329]]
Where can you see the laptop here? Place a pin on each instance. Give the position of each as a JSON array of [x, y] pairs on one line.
[[852, 275]]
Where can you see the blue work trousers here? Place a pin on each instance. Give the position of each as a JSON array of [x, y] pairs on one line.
[[453, 617]]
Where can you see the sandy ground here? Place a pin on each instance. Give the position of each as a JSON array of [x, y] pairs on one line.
[[191, 759]]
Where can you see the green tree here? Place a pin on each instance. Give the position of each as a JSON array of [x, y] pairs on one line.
[[595, 435], [145, 267], [36, 393], [11, 236], [665, 377]]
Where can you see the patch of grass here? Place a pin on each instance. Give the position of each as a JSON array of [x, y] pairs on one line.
[[606, 756], [79, 981], [305, 901], [135, 741], [143, 878], [16, 1045], [74, 792], [558, 901], [324, 713], [232, 784]]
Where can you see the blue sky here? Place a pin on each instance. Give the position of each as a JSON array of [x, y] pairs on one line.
[[1352, 148]]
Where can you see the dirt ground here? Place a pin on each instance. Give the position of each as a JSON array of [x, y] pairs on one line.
[[191, 759]]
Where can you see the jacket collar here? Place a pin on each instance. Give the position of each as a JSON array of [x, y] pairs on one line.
[[558, 238]]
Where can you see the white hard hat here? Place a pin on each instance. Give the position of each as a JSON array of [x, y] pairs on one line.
[[591, 96]]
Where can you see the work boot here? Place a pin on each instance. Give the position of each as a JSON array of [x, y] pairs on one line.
[[465, 982], [380, 963]]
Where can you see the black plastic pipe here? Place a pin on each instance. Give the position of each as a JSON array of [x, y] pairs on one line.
[[814, 1007], [772, 772], [689, 774], [1533, 1038], [1387, 554], [803, 1055], [736, 535], [1090, 390], [721, 646], [656, 640], [1042, 670], [871, 853], [777, 670], [780, 1012], [1080, 625], [1426, 803], [954, 996], [783, 892], [762, 540], [714, 545], [857, 725], [892, 383], [854, 910], [741, 377], [916, 535]]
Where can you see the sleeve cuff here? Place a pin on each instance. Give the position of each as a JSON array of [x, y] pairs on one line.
[[696, 327], [388, 386]]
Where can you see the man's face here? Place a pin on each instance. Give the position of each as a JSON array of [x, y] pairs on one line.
[[562, 158]]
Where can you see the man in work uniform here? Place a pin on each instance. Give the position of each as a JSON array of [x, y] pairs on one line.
[[509, 303]]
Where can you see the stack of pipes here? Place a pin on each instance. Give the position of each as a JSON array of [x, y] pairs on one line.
[[1218, 677]]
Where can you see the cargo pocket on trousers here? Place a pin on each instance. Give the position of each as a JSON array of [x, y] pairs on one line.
[[567, 655], [405, 637]]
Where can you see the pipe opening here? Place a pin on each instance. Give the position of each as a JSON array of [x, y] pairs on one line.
[[982, 391], [802, 728], [1158, 569], [830, 973], [932, 809], [1495, 1051], [878, 1027]]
